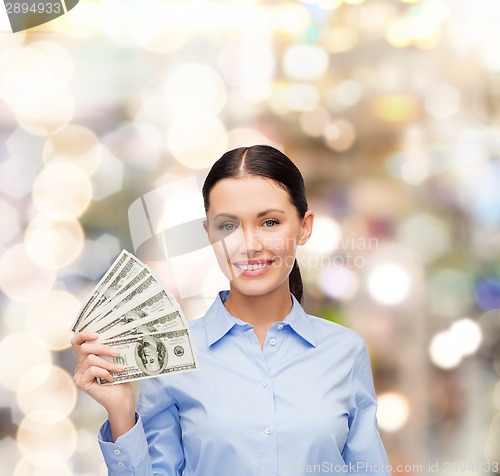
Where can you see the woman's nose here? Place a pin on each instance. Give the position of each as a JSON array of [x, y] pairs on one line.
[[250, 243]]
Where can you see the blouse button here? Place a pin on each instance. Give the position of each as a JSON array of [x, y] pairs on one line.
[[280, 326], [268, 431], [272, 341], [121, 464], [264, 384], [117, 452]]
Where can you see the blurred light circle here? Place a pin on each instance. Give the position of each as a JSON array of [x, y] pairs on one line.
[[450, 292], [13, 316], [196, 140], [62, 66], [153, 27], [425, 234], [75, 144], [136, 143], [108, 178], [25, 78], [57, 393], [395, 107], [301, 97], [46, 436], [487, 294], [291, 18], [21, 279], [397, 33], [468, 334], [345, 94], [339, 135], [325, 236], [194, 87], [10, 222], [496, 395], [305, 62], [340, 39], [85, 23], [50, 318], [325, 4], [393, 411], [246, 137], [62, 191], [314, 122], [53, 244], [338, 282], [389, 283], [45, 116], [488, 258], [32, 467], [445, 350], [22, 351]]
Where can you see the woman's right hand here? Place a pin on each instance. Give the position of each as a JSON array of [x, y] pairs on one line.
[[117, 399]]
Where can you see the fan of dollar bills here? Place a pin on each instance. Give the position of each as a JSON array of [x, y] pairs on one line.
[[133, 312]]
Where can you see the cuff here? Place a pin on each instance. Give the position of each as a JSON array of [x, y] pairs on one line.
[[128, 453]]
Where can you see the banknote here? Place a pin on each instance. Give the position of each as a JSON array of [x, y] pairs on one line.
[[152, 355], [135, 308], [101, 287], [141, 291], [132, 310], [156, 322]]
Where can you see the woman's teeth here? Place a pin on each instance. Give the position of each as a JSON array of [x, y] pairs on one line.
[[253, 267]]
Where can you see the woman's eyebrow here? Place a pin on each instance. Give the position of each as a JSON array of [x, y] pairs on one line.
[[270, 210], [259, 215], [225, 215]]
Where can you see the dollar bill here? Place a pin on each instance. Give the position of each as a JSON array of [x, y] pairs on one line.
[[134, 293], [101, 286], [134, 308], [152, 355], [157, 322], [131, 268]]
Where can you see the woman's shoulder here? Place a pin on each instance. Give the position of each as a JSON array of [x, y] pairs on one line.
[[330, 330]]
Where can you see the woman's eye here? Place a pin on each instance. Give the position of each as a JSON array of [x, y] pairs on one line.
[[227, 227], [270, 223]]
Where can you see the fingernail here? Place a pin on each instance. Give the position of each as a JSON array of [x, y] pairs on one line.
[[93, 334], [115, 352]]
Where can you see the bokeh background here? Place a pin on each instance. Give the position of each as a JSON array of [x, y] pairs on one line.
[[390, 108]]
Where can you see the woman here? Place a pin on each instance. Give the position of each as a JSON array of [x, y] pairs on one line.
[[277, 391]]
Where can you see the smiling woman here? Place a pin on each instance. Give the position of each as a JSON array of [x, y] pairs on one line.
[[277, 391]]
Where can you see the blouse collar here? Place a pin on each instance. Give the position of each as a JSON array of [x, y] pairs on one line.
[[218, 321]]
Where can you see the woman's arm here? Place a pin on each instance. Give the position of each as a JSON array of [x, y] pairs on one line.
[[118, 400], [146, 443], [364, 450]]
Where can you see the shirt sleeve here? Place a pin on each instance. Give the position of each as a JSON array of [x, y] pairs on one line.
[[364, 452], [153, 447]]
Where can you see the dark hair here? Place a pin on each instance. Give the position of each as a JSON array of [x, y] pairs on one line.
[[264, 161]]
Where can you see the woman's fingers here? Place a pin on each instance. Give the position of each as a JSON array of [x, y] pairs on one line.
[[84, 380], [79, 338]]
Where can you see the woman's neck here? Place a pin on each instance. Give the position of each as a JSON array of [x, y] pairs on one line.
[[260, 311]]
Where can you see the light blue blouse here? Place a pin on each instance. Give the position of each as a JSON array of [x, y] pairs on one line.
[[303, 404]]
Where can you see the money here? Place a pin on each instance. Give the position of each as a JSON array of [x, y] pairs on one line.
[[132, 311], [152, 355]]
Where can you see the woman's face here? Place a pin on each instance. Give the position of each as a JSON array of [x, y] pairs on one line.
[[254, 229]]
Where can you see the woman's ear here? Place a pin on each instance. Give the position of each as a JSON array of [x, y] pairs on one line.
[[205, 226], [306, 227]]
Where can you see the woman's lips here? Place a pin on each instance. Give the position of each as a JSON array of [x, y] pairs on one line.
[[254, 268]]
